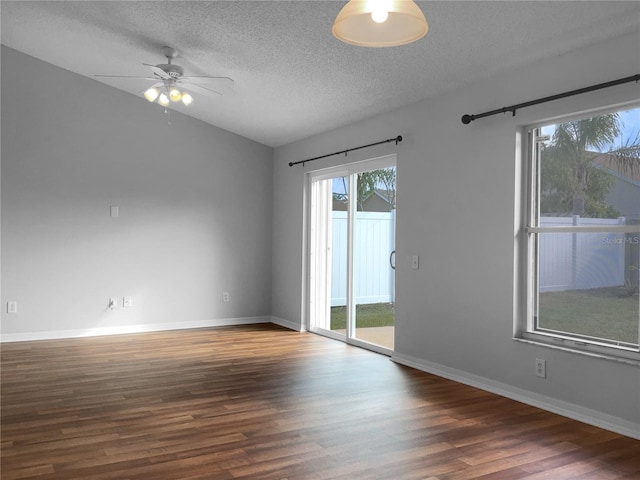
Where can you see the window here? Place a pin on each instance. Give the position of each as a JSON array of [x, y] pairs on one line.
[[582, 233]]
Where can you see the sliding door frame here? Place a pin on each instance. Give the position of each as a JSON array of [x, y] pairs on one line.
[[349, 170]]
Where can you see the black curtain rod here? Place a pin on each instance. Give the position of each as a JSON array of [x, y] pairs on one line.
[[466, 119], [397, 139]]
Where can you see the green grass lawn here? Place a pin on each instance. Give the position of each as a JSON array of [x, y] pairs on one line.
[[602, 312], [372, 315]]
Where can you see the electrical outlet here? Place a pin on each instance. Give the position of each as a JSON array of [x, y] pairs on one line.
[[541, 368], [127, 302], [12, 307], [225, 296], [415, 262]]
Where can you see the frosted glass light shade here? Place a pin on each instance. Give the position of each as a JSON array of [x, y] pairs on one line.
[[186, 99], [163, 100], [405, 24], [151, 94], [174, 94]]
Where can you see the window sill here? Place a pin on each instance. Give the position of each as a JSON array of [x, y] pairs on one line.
[[626, 357]]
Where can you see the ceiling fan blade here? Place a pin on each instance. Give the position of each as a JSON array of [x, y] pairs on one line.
[[218, 80], [200, 89], [125, 76], [206, 84], [158, 71]]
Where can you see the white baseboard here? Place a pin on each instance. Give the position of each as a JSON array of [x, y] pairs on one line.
[[287, 324], [566, 409], [117, 330]]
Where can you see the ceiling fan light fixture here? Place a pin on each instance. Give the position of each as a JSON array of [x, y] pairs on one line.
[[169, 77], [163, 100], [151, 94], [187, 99], [380, 23], [174, 94]]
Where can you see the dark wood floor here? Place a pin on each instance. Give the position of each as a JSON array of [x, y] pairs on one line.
[[264, 402]]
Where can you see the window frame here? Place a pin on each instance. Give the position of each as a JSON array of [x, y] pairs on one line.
[[525, 328]]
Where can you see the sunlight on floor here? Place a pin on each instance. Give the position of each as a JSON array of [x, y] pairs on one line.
[[383, 336]]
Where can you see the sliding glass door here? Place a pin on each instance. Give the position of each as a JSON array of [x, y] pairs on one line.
[[351, 253]]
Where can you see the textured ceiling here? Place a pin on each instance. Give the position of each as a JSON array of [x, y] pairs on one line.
[[292, 78]]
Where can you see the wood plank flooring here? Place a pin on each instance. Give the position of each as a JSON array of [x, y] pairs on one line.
[[262, 402]]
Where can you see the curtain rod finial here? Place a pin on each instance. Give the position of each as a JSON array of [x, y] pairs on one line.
[[467, 119]]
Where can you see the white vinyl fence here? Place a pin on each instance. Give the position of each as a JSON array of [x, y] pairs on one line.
[[567, 261], [576, 261], [374, 240]]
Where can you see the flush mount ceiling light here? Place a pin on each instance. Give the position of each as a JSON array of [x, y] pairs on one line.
[[380, 23]]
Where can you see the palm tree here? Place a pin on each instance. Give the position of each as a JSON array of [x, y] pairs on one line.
[[572, 180], [383, 180], [572, 177], [627, 155], [368, 182]]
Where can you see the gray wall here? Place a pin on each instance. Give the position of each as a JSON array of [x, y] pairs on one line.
[[196, 219], [194, 200], [457, 209]]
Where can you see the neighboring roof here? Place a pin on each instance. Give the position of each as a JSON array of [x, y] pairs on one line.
[[608, 162], [377, 201]]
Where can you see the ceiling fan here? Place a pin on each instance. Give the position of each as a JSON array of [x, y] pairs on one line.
[[170, 79]]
